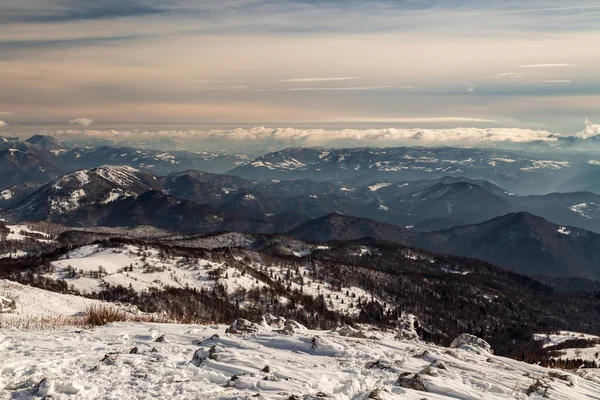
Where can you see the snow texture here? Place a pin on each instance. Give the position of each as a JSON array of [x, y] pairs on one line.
[[125, 361]]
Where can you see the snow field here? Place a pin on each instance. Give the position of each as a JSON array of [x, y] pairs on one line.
[[124, 361]]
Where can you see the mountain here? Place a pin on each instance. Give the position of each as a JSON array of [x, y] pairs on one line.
[[340, 227], [159, 210], [461, 201], [516, 171], [436, 224], [16, 194], [580, 209], [518, 241], [49, 143], [589, 181], [389, 190], [18, 167], [157, 161], [524, 243], [79, 189]]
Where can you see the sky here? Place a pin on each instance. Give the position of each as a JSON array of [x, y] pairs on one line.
[[111, 66]]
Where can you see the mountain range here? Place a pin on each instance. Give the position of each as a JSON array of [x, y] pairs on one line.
[[451, 208]]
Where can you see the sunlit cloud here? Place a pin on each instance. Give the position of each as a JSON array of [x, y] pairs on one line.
[[81, 121], [547, 66], [507, 75], [341, 78], [305, 89], [2, 123], [555, 81], [388, 136]]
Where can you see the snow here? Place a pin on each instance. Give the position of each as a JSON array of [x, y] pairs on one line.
[[288, 163], [100, 364], [14, 254], [377, 186], [65, 204], [564, 231], [22, 232], [143, 269], [32, 301], [546, 164], [552, 339], [505, 160], [6, 194], [580, 209]]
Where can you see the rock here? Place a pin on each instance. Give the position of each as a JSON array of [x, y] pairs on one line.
[[375, 394], [212, 353], [274, 322], [382, 365], [109, 359], [7, 305], [471, 343], [434, 368], [412, 381], [133, 351], [242, 326], [162, 338], [44, 388], [291, 327], [238, 377], [348, 331], [266, 369]]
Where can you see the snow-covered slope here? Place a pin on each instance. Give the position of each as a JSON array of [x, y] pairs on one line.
[[31, 301], [91, 268], [71, 192], [125, 361]]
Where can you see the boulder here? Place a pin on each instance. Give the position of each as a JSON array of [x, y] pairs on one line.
[[242, 326], [471, 343]]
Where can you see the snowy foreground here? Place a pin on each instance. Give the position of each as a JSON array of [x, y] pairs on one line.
[[135, 361]]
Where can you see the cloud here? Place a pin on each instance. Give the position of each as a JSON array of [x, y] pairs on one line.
[[341, 78], [309, 137], [547, 66], [470, 88], [2, 123], [81, 121], [413, 120], [589, 131], [555, 81], [298, 89], [505, 75]]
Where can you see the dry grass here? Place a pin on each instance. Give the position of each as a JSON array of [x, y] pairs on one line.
[[38, 323], [96, 315]]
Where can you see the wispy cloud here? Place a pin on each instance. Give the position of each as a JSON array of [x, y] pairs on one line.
[[555, 81], [333, 79], [505, 75], [413, 120], [306, 89], [81, 121], [547, 66], [263, 61]]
